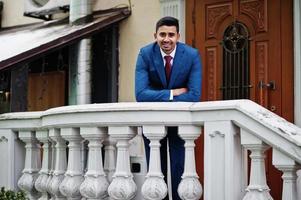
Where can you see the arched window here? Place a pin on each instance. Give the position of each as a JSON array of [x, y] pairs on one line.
[[235, 65]]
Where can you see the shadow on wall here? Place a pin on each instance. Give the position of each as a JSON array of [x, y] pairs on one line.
[[1, 8]]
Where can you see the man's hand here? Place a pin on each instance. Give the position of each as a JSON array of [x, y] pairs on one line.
[[179, 91]]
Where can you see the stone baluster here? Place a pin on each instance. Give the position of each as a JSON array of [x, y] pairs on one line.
[[60, 164], [52, 165], [32, 164], [95, 184], [41, 182], [74, 174], [190, 186], [110, 157], [258, 188], [122, 186], [298, 182], [224, 161], [289, 168], [154, 187]]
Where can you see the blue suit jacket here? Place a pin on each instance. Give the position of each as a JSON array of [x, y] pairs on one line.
[[150, 79]]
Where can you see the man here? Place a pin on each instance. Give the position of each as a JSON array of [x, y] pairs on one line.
[[168, 70]]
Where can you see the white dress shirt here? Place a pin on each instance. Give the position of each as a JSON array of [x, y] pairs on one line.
[[172, 54]]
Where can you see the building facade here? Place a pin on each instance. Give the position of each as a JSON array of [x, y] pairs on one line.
[[248, 49]]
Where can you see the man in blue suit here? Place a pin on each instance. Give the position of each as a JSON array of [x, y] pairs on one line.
[[168, 70]]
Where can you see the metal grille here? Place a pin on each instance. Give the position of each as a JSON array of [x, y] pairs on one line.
[[236, 71]]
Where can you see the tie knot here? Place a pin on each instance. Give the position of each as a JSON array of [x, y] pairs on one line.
[[167, 58]]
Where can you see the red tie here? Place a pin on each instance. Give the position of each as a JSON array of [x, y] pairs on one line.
[[167, 66]]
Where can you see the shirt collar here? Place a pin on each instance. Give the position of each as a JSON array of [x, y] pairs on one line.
[[172, 54]]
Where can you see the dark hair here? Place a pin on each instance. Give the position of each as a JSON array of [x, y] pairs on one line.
[[168, 21]]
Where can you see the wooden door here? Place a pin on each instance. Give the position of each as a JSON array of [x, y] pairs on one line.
[[246, 48], [46, 90]]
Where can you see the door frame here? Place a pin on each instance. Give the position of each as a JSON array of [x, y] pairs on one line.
[[297, 62]]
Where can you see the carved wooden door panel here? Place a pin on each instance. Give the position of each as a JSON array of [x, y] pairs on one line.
[[246, 48]]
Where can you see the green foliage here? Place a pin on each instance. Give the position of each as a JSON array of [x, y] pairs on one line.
[[11, 195]]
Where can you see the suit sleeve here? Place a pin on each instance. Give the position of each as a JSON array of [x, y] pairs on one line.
[[143, 89], [194, 82]]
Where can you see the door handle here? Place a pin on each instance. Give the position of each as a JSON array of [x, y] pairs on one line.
[[270, 85]]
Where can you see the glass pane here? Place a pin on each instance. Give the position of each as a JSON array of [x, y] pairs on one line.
[[235, 62]]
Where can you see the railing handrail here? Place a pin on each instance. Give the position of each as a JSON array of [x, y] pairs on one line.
[[256, 112], [21, 115], [241, 112]]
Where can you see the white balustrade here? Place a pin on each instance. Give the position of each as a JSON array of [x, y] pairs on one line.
[[60, 164], [122, 186], [12, 158], [52, 167], [299, 184], [96, 184], [190, 186], [224, 164], [154, 187], [110, 157], [74, 174], [41, 182], [289, 168], [32, 163], [230, 129], [258, 188]]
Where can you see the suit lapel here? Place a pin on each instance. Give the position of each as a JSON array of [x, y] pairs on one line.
[[159, 65], [177, 64]]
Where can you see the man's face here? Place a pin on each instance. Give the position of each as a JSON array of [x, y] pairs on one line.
[[167, 37]]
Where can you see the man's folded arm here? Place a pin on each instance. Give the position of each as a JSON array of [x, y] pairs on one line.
[[194, 86], [143, 90]]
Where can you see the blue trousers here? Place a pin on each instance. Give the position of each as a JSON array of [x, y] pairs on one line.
[[177, 157]]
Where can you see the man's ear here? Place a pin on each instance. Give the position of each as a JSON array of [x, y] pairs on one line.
[[155, 36], [178, 37]]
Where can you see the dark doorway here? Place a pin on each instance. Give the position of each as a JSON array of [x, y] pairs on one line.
[[105, 66]]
